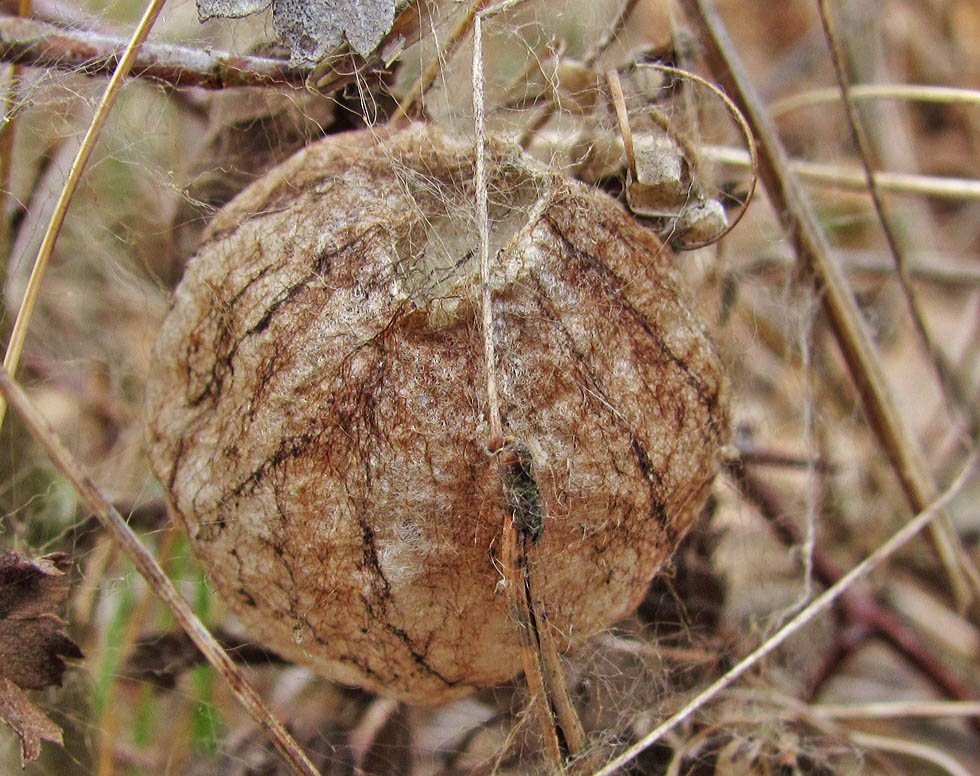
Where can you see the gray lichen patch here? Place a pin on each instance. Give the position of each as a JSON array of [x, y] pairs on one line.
[[317, 408], [314, 28]]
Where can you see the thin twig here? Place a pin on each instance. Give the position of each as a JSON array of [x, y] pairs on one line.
[[157, 579], [953, 388], [607, 37], [903, 746], [853, 180], [551, 105], [895, 709], [483, 231], [551, 101], [934, 268], [513, 560], [513, 550], [860, 353], [410, 106], [503, 5], [518, 94], [31, 43], [555, 685], [539, 655], [943, 95], [623, 117], [812, 487], [779, 458], [819, 605], [21, 323]]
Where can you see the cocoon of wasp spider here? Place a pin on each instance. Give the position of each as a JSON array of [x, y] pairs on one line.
[[318, 408]]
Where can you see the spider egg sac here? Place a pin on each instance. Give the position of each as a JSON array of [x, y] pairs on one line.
[[318, 412]]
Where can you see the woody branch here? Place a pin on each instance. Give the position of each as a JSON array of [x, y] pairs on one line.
[[38, 44]]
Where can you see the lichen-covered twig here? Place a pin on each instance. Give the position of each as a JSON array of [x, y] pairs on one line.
[[32, 43]]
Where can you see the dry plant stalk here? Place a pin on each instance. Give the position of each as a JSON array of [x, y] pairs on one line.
[[319, 416], [859, 351], [34, 43], [117, 528], [955, 391], [18, 334]]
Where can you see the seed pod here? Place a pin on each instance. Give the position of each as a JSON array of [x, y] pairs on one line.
[[318, 411]]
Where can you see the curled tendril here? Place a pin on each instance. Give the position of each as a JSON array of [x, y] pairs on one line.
[[616, 90]]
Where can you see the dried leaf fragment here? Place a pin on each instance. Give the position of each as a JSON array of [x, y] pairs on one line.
[[314, 28], [33, 645], [26, 719]]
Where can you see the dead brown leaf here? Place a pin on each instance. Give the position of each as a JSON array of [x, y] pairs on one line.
[[29, 722], [33, 644]]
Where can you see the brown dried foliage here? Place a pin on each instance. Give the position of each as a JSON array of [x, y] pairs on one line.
[[33, 643]]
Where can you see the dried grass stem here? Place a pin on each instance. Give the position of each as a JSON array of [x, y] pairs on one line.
[[860, 353], [116, 526], [949, 381], [21, 323]]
